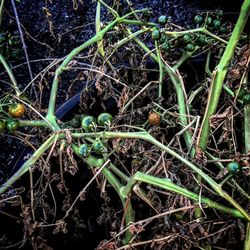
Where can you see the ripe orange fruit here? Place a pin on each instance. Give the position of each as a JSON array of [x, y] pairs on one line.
[[17, 110], [154, 118]]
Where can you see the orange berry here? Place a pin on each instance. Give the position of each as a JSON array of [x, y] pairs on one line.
[[154, 118], [17, 110]]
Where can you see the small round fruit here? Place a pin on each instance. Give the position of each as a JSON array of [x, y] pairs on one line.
[[98, 147], [17, 110], [12, 125], [216, 23], [147, 13], [163, 38], [165, 46], [209, 20], [246, 98], [220, 13], [83, 149], [104, 119], [2, 38], [13, 41], [201, 40], [162, 19], [233, 167], [187, 38], [154, 118], [190, 47], [240, 93], [198, 19], [87, 122], [156, 34], [2, 125], [223, 29]]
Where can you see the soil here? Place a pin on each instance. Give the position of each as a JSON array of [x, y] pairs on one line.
[[51, 30]]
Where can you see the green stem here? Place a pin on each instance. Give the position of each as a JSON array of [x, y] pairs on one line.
[[202, 29], [247, 239], [11, 76], [167, 184], [1, 11], [160, 68], [33, 123], [135, 22], [30, 162], [219, 74], [98, 28], [247, 127]]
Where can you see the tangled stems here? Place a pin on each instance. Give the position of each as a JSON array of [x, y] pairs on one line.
[[129, 212], [97, 38], [30, 162], [177, 85], [11, 76], [220, 73], [147, 137], [52, 102], [136, 135]]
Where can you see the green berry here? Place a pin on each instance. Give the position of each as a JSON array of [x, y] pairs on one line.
[[216, 23], [13, 41], [87, 123], [12, 125], [2, 38], [187, 39], [198, 19], [163, 38], [209, 20], [98, 147], [240, 93], [156, 34], [162, 19], [233, 167], [83, 149], [220, 14], [246, 98], [104, 119], [147, 13], [223, 29], [165, 46], [190, 47], [201, 40]]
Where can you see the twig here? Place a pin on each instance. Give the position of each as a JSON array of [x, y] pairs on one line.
[[22, 38]]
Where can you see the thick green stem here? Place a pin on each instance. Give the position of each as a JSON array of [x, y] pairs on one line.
[[33, 123], [98, 27], [247, 127], [160, 68], [29, 163], [167, 184], [1, 11], [247, 150], [220, 73], [11, 76]]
